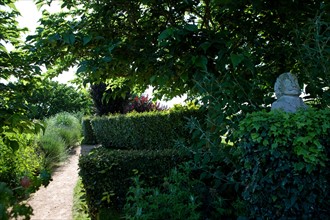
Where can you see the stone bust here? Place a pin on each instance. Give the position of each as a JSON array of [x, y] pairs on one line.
[[287, 92]]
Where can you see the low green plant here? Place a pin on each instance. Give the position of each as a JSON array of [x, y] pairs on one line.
[[62, 132], [177, 198], [285, 161], [54, 148], [21, 173], [80, 208], [67, 126]]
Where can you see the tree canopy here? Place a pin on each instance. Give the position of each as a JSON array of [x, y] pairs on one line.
[[172, 45]]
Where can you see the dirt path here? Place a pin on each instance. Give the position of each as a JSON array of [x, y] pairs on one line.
[[55, 201]]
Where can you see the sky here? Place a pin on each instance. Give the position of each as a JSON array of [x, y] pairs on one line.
[[29, 18]]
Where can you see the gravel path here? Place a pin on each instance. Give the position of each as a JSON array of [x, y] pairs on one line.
[[55, 201]]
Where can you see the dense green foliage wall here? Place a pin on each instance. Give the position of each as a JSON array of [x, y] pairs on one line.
[[285, 164], [150, 130], [106, 174], [87, 131]]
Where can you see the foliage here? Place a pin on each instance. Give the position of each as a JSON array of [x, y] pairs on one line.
[[14, 64], [21, 173], [63, 131], [68, 127], [314, 56], [49, 98], [149, 130], [107, 100], [106, 174], [7, 200], [176, 199], [285, 160], [88, 132], [53, 147], [80, 209], [143, 104], [171, 45]]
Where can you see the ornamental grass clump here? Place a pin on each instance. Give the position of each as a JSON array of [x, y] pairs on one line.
[[62, 132]]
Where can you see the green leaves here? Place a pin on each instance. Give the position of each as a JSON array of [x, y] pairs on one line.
[[282, 153], [200, 62], [69, 38], [86, 40], [236, 59]]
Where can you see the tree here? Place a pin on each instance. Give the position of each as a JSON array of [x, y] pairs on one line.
[[226, 52], [106, 102], [50, 98], [15, 127], [15, 64]]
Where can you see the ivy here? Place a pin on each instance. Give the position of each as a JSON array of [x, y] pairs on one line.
[[284, 157]]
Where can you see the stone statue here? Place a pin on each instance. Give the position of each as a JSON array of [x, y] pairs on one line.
[[287, 92]]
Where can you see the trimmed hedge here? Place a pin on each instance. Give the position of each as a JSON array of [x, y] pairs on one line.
[[148, 130], [88, 133], [107, 174], [285, 164]]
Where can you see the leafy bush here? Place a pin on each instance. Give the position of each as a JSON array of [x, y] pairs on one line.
[[285, 164], [109, 100], [174, 199], [88, 132], [106, 174], [142, 104], [21, 172], [16, 164], [149, 130]]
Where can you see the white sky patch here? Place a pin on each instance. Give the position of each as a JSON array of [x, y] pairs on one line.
[[29, 18]]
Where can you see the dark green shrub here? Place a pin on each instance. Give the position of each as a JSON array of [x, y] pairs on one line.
[[88, 132], [106, 174], [174, 199], [148, 130], [285, 161], [109, 100]]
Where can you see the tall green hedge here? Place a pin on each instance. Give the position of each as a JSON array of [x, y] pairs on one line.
[[149, 130], [106, 174], [285, 164], [88, 133]]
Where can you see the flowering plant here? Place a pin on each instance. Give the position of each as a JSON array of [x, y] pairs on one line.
[[143, 104]]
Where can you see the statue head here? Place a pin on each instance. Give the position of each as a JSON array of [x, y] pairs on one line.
[[287, 84]]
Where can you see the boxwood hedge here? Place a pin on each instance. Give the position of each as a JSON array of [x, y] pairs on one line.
[[149, 130], [106, 174]]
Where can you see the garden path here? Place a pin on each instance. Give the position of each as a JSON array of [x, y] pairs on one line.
[[55, 201]]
